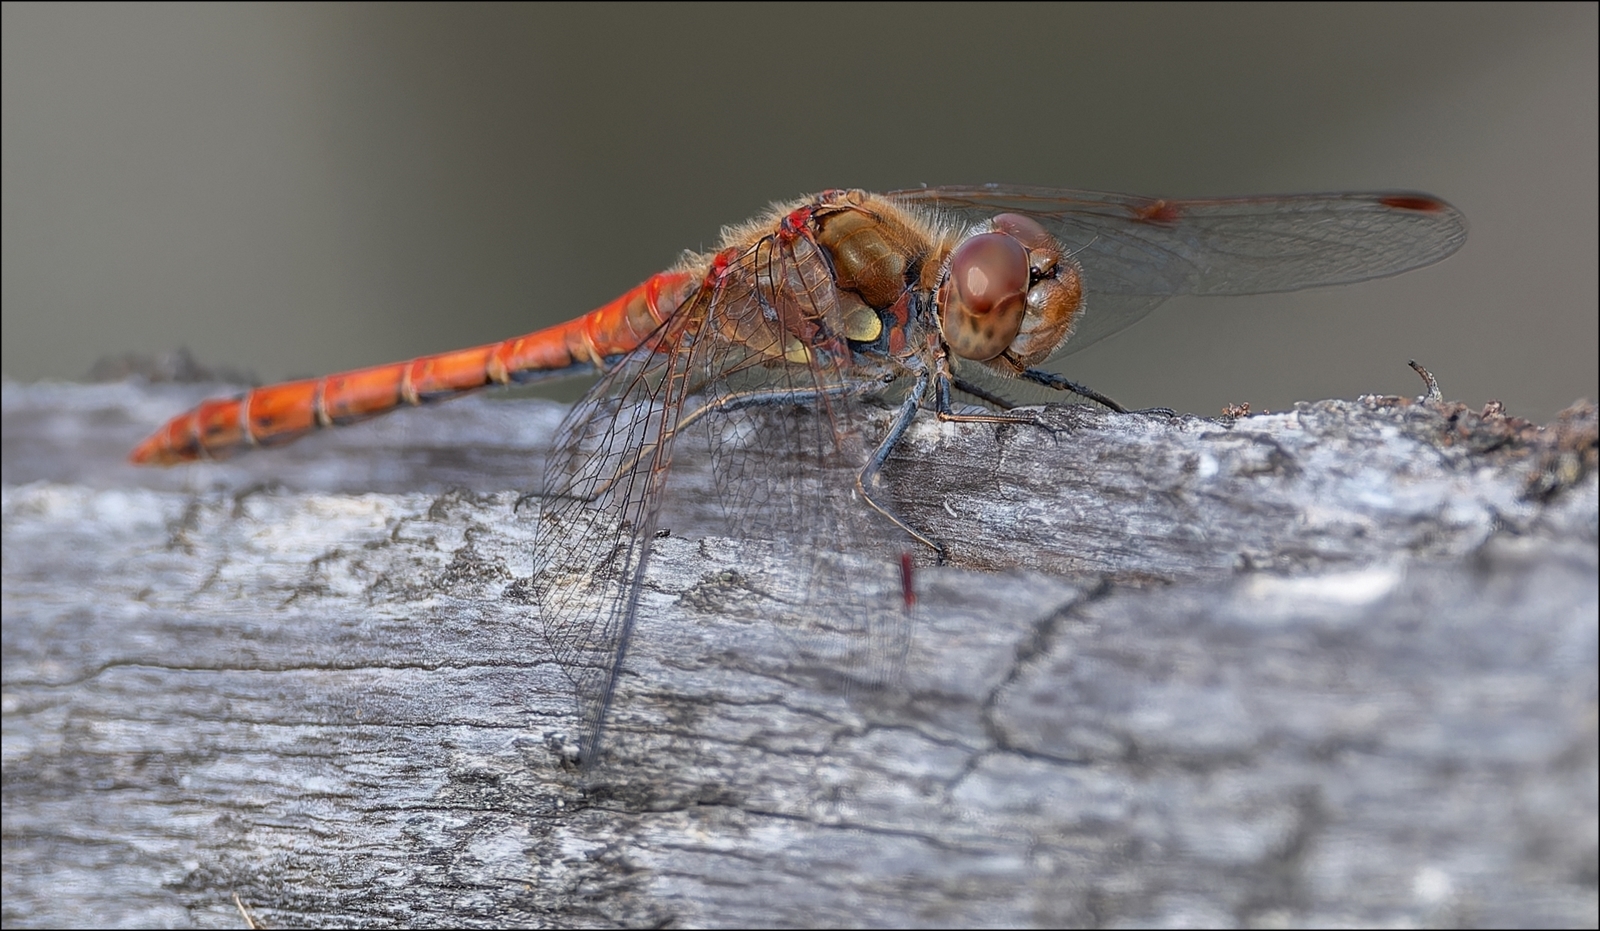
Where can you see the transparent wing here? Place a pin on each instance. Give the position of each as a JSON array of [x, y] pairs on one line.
[[600, 500], [758, 365], [1138, 251], [788, 433]]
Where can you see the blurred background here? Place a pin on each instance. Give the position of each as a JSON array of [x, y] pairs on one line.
[[290, 190]]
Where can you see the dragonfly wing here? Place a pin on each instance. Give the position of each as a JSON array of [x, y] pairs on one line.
[[780, 404], [1137, 251], [599, 506], [780, 414]]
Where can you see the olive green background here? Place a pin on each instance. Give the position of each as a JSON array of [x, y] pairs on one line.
[[298, 189]]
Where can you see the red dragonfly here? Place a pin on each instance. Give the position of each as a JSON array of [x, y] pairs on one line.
[[777, 338]]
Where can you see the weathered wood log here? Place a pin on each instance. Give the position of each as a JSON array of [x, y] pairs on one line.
[[1331, 665]]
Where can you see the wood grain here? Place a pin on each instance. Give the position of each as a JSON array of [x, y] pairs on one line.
[[1331, 665]]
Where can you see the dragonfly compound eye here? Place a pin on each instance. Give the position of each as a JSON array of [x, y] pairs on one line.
[[1043, 250], [1055, 292], [984, 296]]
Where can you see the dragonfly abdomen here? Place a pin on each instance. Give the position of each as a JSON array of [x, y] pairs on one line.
[[276, 414]]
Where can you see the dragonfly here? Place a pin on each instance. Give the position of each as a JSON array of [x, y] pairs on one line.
[[785, 334]]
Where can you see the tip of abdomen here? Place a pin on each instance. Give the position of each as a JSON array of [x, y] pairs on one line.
[[157, 451]]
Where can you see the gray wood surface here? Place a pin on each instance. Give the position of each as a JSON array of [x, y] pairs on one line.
[[1331, 665]]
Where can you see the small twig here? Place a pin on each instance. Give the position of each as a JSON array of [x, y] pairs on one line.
[[249, 921], [1434, 394]]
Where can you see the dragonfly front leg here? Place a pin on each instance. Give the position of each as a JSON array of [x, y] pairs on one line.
[[1052, 380]]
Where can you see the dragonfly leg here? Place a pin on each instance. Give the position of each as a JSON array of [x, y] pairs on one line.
[[1052, 380], [867, 479], [944, 380], [983, 394]]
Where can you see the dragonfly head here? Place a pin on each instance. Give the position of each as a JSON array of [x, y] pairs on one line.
[[1009, 295]]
